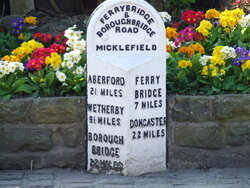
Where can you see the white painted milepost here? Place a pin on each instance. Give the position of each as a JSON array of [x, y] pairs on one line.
[[126, 73]]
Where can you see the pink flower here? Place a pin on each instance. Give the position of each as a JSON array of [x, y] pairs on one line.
[[35, 64]]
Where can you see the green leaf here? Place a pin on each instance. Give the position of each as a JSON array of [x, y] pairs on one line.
[[194, 83], [34, 78], [3, 92], [204, 82], [78, 88], [49, 78], [19, 82], [241, 87], [229, 83], [182, 74], [23, 88], [216, 82], [6, 97], [5, 86], [216, 90]]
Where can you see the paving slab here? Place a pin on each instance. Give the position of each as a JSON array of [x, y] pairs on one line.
[[73, 178]]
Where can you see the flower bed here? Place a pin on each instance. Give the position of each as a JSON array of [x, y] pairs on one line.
[[208, 53], [41, 64]]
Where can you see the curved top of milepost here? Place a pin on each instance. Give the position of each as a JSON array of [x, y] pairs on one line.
[[94, 18]]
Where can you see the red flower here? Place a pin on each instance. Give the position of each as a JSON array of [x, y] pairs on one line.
[[43, 37], [35, 64], [199, 37], [58, 48], [192, 17], [176, 25], [42, 53]]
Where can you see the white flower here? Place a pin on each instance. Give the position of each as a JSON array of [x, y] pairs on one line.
[[64, 84], [70, 32], [79, 70], [170, 43], [19, 66], [165, 16], [228, 52], [204, 59], [69, 64], [3, 68], [60, 76], [12, 66], [72, 56], [80, 45], [245, 21], [168, 55]]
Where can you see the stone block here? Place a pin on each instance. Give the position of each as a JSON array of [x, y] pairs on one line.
[[28, 139], [201, 135], [236, 133], [58, 157], [231, 108], [186, 157], [190, 108], [20, 161], [72, 136], [58, 110], [21, 7], [15, 110]]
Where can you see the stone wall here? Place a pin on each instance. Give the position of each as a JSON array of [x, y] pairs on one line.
[[43, 132], [209, 131], [203, 132]]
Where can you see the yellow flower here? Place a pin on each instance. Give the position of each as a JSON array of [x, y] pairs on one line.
[[214, 73], [230, 18], [204, 71], [204, 27], [171, 33], [31, 20], [20, 52], [223, 72], [20, 37], [6, 58], [11, 58], [217, 61], [206, 24], [42, 80], [245, 65], [217, 51], [211, 66], [212, 13], [54, 60], [199, 48], [232, 22], [184, 64], [187, 49], [26, 48]]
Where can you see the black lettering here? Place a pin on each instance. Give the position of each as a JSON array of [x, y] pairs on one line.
[[99, 33]]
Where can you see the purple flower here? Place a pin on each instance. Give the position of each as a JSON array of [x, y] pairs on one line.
[[216, 23], [16, 31], [240, 60], [17, 26], [241, 51], [16, 22]]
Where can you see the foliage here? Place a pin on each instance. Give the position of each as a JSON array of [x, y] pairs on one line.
[[178, 6]]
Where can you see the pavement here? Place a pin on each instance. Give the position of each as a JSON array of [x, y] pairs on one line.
[[72, 178]]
